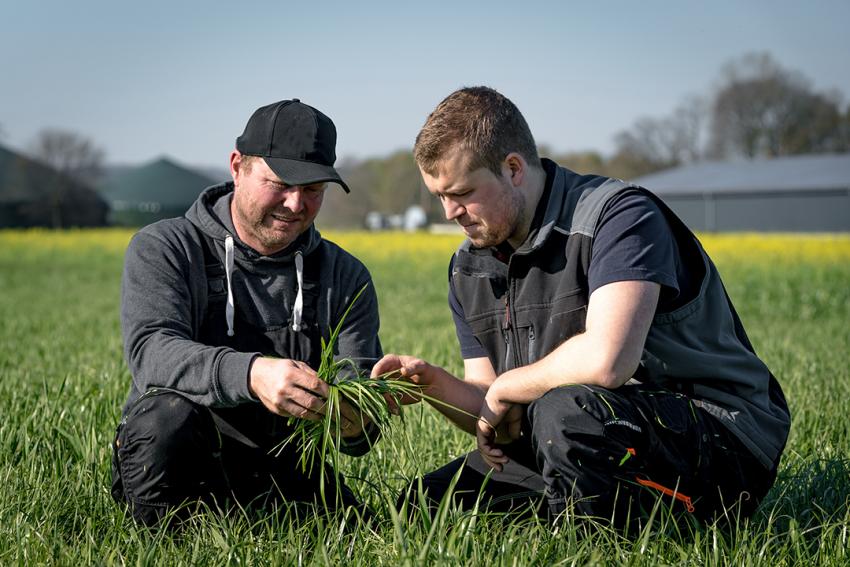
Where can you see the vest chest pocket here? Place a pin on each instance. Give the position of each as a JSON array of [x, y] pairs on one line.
[[564, 325], [527, 339], [544, 327], [488, 329]]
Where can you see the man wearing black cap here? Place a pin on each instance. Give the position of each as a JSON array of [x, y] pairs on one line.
[[223, 312]]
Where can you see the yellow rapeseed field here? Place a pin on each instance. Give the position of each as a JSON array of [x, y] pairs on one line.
[[73, 240], [778, 248], [377, 246]]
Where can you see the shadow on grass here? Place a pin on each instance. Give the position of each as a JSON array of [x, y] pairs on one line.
[[813, 494]]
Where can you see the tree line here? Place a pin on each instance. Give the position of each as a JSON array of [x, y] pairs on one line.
[[758, 109]]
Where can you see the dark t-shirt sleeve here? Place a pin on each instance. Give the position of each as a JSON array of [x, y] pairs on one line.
[[634, 242], [469, 345]]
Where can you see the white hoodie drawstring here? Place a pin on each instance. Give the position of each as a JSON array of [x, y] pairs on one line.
[[230, 308], [298, 308], [228, 269]]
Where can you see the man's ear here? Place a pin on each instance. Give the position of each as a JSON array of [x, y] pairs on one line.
[[235, 164], [516, 167]]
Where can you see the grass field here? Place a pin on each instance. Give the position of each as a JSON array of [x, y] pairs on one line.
[[63, 381]]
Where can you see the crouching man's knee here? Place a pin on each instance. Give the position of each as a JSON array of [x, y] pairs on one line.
[[568, 410], [165, 452], [577, 456]]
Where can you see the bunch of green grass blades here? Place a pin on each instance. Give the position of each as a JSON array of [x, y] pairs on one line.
[[319, 441]]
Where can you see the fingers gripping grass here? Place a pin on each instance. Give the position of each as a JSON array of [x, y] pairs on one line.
[[319, 441]]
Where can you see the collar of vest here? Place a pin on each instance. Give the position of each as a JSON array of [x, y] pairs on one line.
[[574, 205]]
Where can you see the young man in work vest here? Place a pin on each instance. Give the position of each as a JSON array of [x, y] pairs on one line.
[[604, 362]]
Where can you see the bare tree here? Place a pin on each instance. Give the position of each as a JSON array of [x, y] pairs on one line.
[[764, 109], [69, 153], [581, 162], [657, 143], [75, 159], [687, 126]]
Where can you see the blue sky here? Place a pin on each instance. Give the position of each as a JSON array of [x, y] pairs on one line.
[[181, 78]]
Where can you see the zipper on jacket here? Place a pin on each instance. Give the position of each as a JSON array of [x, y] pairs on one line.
[[511, 330], [506, 326]]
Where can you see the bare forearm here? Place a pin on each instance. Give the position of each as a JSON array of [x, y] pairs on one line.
[[449, 392], [459, 400], [606, 354], [568, 364]]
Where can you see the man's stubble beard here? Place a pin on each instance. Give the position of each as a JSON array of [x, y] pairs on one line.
[[498, 235], [267, 237]]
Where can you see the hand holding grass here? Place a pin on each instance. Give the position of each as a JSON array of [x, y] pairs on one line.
[[326, 399], [340, 385], [290, 388], [409, 368]]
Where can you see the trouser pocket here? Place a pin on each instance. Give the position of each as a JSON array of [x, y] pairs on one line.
[[169, 450], [166, 451]]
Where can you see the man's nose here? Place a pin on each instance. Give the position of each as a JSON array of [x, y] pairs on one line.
[[294, 198], [452, 209]]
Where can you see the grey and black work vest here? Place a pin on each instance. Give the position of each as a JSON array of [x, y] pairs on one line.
[[521, 310]]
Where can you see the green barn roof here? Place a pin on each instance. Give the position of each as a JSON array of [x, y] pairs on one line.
[[161, 181]]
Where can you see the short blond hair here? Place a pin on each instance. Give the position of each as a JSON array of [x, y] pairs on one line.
[[480, 120]]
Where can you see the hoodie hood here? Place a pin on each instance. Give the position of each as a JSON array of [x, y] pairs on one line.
[[211, 214]]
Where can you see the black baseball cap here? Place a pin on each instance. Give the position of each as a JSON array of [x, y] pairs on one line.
[[295, 140]]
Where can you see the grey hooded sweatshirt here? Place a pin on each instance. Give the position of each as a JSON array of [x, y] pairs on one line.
[[198, 305]]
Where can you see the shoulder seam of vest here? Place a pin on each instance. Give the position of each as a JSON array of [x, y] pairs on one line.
[[591, 202]]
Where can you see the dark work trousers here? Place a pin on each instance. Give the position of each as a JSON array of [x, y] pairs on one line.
[[611, 455], [170, 451]]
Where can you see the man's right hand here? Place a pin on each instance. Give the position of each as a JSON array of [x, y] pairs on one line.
[[408, 368], [288, 387]]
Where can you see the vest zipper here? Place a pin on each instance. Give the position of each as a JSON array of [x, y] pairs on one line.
[[506, 326], [510, 329]]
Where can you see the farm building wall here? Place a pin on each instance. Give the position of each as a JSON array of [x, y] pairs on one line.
[[804, 211]]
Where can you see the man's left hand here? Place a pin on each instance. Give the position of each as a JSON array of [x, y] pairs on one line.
[[352, 421], [493, 414]]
